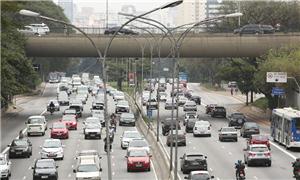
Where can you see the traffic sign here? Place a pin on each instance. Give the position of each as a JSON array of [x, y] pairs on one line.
[[166, 69], [149, 113], [183, 77], [276, 77], [277, 91]]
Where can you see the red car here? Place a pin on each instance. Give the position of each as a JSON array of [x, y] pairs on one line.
[[70, 112], [259, 139], [59, 130], [138, 160], [70, 121]]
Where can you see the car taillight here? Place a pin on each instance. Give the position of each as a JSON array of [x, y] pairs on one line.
[[267, 154], [251, 154], [208, 128]]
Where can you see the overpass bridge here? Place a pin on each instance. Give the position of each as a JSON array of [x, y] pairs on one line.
[[195, 45]]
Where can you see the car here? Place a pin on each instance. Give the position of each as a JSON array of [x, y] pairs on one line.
[[92, 130], [36, 125], [248, 129], [20, 148], [100, 115], [53, 149], [98, 105], [176, 91], [70, 121], [59, 130], [237, 120], [91, 120], [88, 153], [196, 99], [181, 138], [255, 29], [128, 136], [63, 98], [188, 93], [88, 167], [181, 100], [119, 96], [232, 84], [188, 115], [161, 89], [152, 103], [209, 107], [257, 153], [169, 105], [5, 166], [127, 119], [199, 175], [138, 160], [82, 97], [27, 30], [167, 125], [218, 111], [139, 144], [202, 128], [259, 139], [45, 169], [125, 31], [190, 106], [56, 105], [228, 133], [163, 96], [70, 112], [193, 162], [78, 108], [122, 106], [189, 125]]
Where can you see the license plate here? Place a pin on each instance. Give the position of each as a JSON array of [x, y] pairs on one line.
[[138, 165], [92, 134], [195, 163], [18, 152], [259, 154], [59, 134], [44, 177]]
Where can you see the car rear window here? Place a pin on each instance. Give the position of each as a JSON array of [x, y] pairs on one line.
[[259, 149], [251, 125], [260, 138]]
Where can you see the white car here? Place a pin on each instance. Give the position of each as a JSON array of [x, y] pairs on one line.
[[91, 120], [36, 125], [119, 96], [5, 166], [202, 128], [128, 136], [52, 149], [257, 153], [163, 96], [88, 167], [190, 106], [182, 100], [199, 175], [190, 115], [122, 106], [100, 115], [139, 144]]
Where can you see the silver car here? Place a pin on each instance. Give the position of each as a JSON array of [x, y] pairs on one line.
[[257, 153], [190, 106], [128, 136], [127, 119], [52, 149], [228, 133], [5, 166]]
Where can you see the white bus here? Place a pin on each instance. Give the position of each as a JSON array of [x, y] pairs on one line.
[[285, 127]]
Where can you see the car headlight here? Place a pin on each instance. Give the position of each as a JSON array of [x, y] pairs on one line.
[[5, 170], [44, 152]]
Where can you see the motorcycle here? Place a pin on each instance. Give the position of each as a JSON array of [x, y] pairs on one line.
[[52, 109], [241, 175], [110, 144]]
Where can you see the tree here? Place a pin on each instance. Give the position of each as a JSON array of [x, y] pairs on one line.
[[286, 59]]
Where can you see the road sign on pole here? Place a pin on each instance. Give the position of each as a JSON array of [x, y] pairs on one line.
[[149, 113], [277, 91], [276, 77]]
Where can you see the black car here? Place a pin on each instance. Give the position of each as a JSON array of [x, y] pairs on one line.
[[218, 111], [181, 139], [255, 29], [249, 128], [45, 169], [122, 31], [168, 125], [77, 108], [189, 125], [236, 120], [193, 162], [20, 148], [196, 99]]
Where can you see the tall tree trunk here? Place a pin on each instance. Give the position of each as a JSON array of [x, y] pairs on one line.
[[251, 98], [247, 94]]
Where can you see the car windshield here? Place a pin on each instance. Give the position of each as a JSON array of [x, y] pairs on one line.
[[92, 126], [228, 130], [163, 94], [260, 138], [123, 103], [127, 115], [219, 109], [200, 176], [70, 111], [35, 121], [87, 168], [44, 164], [138, 143], [190, 103], [68, 118], [52, 144], [259, 149], [58, 126], [251, 125], [92, 120], [137, 153], [119, 94], [132, 135], [19, 142]]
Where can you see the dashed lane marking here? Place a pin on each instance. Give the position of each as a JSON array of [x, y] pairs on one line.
[[152, 166], [69, 175], [24, 177], [229, 153]]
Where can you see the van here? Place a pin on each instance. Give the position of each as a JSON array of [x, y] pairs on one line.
[[36, 125], [202, 128]]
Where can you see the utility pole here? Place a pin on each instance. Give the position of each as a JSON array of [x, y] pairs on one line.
[[106, 14]]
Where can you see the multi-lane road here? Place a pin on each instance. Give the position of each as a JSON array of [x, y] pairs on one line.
[[21, 167], [221, 156]]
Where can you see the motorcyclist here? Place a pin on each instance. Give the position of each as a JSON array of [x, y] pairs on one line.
[[51, 105], [239, 166], [110, 143], [296, 166]]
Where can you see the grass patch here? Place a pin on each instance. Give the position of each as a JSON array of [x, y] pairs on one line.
[[261, 103], [212, 87]]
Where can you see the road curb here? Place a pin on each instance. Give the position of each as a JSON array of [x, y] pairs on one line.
[[162, 161]]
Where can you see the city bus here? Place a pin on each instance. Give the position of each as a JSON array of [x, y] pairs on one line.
[[285, 127]]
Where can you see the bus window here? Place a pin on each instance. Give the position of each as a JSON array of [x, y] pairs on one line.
[[297, 123], [287, 125]]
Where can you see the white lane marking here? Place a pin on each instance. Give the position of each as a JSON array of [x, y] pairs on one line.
[[24, 177], [194, 148], [190, 142], [255, 177], [218, 178], [69, 175], [229, 153], [113, 164], [210, 169], [284, 151], [223, 147], [113, 173], [152, 166], [29, 167], [23, 131]]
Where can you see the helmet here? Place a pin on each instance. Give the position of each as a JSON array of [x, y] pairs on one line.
[[239, 161]]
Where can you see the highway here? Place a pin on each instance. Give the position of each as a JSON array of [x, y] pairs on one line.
[[221, 156], [21, 167]]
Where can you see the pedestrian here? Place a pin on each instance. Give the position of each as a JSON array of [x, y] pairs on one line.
[[21, 135], [231, 91], [236, 90]]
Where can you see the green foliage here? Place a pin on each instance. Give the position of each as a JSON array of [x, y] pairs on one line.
[[261, 103]]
